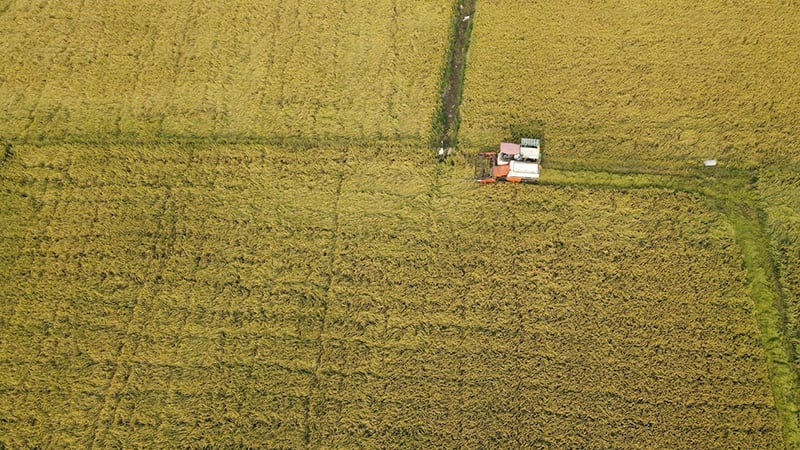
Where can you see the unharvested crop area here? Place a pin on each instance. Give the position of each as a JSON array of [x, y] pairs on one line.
[[644, 83], [193, 295], [276, 70]]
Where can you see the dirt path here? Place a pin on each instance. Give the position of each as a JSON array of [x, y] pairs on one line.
[[454, 73]]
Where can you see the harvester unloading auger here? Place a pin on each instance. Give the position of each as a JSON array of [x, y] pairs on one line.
[[514, 162]]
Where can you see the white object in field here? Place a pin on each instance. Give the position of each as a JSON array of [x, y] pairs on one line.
[[527, 170], [710, 162], [441, 152], [531, 153], [466, 18], [529, 148]]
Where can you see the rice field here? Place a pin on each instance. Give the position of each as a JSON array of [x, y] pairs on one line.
[[221, 226], [654, 84], [269, 70], [655, 87], [198, 296]]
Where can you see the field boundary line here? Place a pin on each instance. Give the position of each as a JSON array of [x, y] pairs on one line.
[[767, 297]]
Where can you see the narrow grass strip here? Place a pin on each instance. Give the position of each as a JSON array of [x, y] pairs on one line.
[[764, 291]]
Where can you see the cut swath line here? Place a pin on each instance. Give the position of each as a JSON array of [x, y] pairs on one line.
[[315, 381]]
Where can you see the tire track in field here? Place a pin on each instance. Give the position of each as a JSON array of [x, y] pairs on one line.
[[314, 385], [455, 68], [516, 390]]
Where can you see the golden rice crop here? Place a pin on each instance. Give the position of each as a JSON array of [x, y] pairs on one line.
[[651, 86], [148, 70], [201, 294], [673, 82], [163, 296], [780, 191]]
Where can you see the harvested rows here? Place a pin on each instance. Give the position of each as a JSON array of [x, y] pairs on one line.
[[273, 70], [199, 296]]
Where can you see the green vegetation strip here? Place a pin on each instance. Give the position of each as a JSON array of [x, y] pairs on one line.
[[764, 291]]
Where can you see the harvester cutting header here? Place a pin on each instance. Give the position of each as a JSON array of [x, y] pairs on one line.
[[514, 162]]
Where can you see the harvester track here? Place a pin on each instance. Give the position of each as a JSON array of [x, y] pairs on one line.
[[454, 73]]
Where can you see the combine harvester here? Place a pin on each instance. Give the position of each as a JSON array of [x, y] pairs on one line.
[[514, 162]]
